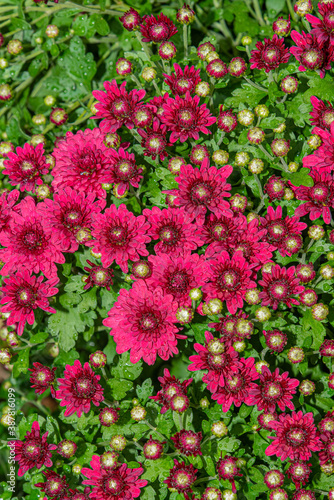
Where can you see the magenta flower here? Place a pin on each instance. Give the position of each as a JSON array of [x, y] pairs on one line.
[[158, 29], [296, 437], [237, 386], [170, 386], [78, 389], [188, 442], [116, 106], [176, 230], [177, 275], [67, 213], [98, 276], [34, 451], [22, 294], [119, 483], [326, 455], [181, 477], [185, 118], [321, 160], [131, 19], [156, 104], [142, 321], [269, 54], [26, 167], [123, 170], [120, 236], [322, 113], [229, 279], [310, 53], [55, 486], [41, 378], [154, 141], [219, 232], [319, 198], [183, 81], [323, 28], [7, 202], [278, 286], [30, 244], [233, 328]]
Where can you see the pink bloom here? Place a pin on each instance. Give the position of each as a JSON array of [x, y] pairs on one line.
[[34, 451], [218, 232], [116, 106], [158, 29], [154, 140], [310, 53], [175, 229], [131, 19], [203, 189], [269, 54], [327, 453], [296, 437], [322, 160], [188, 442], [274, 389], [181, 478], [170, 386], [233, 328], [119, 483], [229, 279], [42, 378], [22, 294], [156, 104], [278, 287], [67, 213], [120, 236], [183, 81], [123, 170], [185, 118], [322, 113], [78, 389], [177, 275], [26, 167], [30, 244], [228, 469], [237, 386], [98, 276], [319, 198], [7, 202], [55, 485], [323, 28], [220, 361], [143, 321]]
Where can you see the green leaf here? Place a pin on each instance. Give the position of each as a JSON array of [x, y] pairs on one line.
[[125, 369], [155, 468], [274, 7], [119, 387], [300, 178], [145, 390], [21, 365], [100, 24], [20, 24], [39, 338], [247, 94]]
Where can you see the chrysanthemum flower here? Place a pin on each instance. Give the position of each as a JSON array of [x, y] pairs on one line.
[[327, 453], [229, 279], [131, 19], [323, 28], [218, 359], [279, 286], [319, 198], [322, 114], [227, 121], [183, 81], [170, 386], [299, 471], [98, 276], [156, 104], [55, 485], [26, 167], [188, 442], [120, 236], [321, 160], [274, 389], [7, 202], [275, 340], [22, 294], [227, 468], [219, 232], [116, 106], [158, 29], [123, 170], [154, 141], [237, 386], [143, 321], [67, 213], [34, 451], [185, 118], [79, 388], [181, 477], [41, 378], [269, 54], [119, 483], [30, 244], [233, 328], [310, 52], [82, 162], [175, 229], [177, 275], [296, 437]]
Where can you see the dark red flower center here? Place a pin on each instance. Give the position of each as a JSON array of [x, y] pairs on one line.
[[319, 192], [217, 361], [28, 168], [189, 441], [183, 85], [84, 387], [114, 485], [186, 118], [312, 58], [171, 390], [158, 32], [328, 20], [34, 239], [328, 117], [272, 391], [120, 108], [279, 289], [182, 480], [228, 280], [170, 235], [296, 436], [32, 450], [25, 296], [118, 235], [125, 169], [99, 275], [201, 193], [72, 218], [220, 231], [156, 143], [54, 487], [87, 161], [148, 322], [271, 54], [234, 383], [178, 282], [276, 230]]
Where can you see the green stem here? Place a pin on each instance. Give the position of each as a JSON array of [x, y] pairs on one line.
[[166, 67], [256, 85], [185, 40], [292, 12], [156, 87], [258, 12], [154, 429], [284, 165], [203, 479], [264, 151], [145, 48], [220, 140], [180, 421]]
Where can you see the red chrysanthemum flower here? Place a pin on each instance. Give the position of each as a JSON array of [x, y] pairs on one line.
[[319, 198], [273, 389], [120, 236], [55, 485], [304, 494], [156, 104], [176, 230], [143, 321], [322, 114], [233, 328], [185, 118], [219, 232], [237, 386], [67, 213], [183, 81], [227, 468], [278, 287], [203, 189], [220, 361], [310, 53], [170, 386], [7, 202], [322, 160], [42, 378], [229, 279], [227, 120], [188, 442], [299, 471], [79, 388], [29, 244], [82, 162], [275, 340], [296, 437], [181, 478], [26, 167], [177, 275], [323, 29], [123, 170], [119, 483], [34, 451], [98, 276], [131, 19], [269, 54], [116, 106], [22, 294], [327, 453], [154, 141], [158, 29], [153, 449]]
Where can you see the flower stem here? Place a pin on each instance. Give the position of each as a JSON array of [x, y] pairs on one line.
[[264, 151], [292, 12], [154, 429], [258, 13], [255, 84], [185, 40], [156, 87], [145, 48]]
